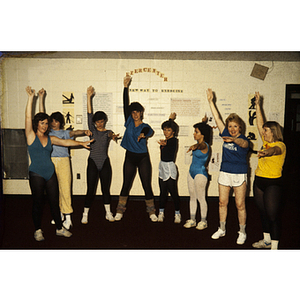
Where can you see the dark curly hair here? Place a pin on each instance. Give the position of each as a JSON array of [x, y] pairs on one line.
[[100, 115], [206, 130], [136, 106], [170, 124], [58, 117], [40, 117]]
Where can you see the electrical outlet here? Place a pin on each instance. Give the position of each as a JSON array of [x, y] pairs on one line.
[[78, 175]]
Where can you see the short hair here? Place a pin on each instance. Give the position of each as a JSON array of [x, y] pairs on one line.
[[170, 124], [40, 117], [58, 117], [233, 117], [206, 130], [136, 106], [100, 115], [275, 129]]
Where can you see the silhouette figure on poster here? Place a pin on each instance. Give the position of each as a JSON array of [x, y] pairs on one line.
[[68, 115], [70, 128], [68, 101], [251, 136], [252, 117], [252, 106]]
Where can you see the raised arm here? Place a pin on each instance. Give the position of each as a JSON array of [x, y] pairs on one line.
[[219, 122], [259, 116], [30, 134], [90, 95], [42, 94], [127, 81]]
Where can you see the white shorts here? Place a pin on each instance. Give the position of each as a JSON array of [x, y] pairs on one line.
[[232, 180]]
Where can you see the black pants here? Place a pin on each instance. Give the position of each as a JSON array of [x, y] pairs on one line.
[[268, 198], [132, 163], [167, 186], [93, 175], [38, 185]]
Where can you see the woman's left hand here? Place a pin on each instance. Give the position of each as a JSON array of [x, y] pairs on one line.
[[141, 136]]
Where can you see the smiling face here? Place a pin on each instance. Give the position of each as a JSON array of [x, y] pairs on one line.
[[136, 115], [268, 135], [55, 125], [43, 126], [198, 136], [234, 129], [168, 132]]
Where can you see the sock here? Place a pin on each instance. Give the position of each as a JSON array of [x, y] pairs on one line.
[[107, 208], [161, 210], [243, 228], [86, 210], [193, 217], [177, 212], [203, 220], [68, 217], [274, 245], [267, 237], [223, 225]]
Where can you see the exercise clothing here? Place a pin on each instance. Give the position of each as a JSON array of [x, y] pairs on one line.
[[99, 148], [40, 157], [271, 166], [234, 157], [60, 151], [198, 163]]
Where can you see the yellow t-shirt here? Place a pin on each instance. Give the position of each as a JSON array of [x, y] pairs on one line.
[[271, 166]]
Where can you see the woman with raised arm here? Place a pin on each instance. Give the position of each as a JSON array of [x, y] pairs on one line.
[[268, 182], [137, 156], [168, 174], [233, 171], [198, 177], [99, 166], [61, 160], [41, 170]]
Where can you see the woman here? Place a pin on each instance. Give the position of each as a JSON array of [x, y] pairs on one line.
[[268, 182], [198, 176], [98, 162], [41, 170], [61, 160], [137, 156], [233, 171], [167, 168]]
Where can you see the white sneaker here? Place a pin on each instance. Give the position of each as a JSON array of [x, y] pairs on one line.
[[177, 218], [161, 217], [38, 235], [118, 216], [84, 219], [262, 244], [218, 234], [189, 224], [109, 216], [201, 225], [153, 218], [241, 238], [63, 232]]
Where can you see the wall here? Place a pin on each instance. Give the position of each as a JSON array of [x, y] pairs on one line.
[[189, 79]]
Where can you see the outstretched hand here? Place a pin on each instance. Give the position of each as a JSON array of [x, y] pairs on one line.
[[42, 93], [141, 136], [90, 91], [210, 95], [30, 92], [172, 116], [127, 81], [257, 98], [192, 148], [162, 142], [86, 144]]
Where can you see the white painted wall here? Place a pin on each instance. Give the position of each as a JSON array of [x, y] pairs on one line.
[[230, 80]]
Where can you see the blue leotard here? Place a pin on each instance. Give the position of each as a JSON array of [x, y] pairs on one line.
[[198, 163], [40, 157]]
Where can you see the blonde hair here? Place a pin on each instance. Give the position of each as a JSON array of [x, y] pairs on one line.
[[235, 118], [275, 129]]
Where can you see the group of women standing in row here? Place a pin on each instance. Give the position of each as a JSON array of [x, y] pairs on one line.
[[233, 172]]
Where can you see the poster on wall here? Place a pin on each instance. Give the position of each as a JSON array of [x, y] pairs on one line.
[[68, 101]]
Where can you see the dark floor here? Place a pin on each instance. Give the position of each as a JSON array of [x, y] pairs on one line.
[[136, 231]]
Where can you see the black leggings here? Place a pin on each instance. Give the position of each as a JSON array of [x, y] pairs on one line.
[[167, 186], [268, 196], [134, 161], [93, 175], [38, 185]]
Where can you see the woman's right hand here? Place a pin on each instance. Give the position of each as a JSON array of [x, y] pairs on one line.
[[127, 81], [30, 92], [210, 95], [257, 98], [90, 91]]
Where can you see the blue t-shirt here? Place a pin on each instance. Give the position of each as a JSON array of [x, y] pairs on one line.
[[60, 151], [130, 138], [41, 158], [198, 163], [234, 157]]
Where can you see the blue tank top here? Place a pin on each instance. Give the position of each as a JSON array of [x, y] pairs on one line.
[[198, 163], [41, 158]]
